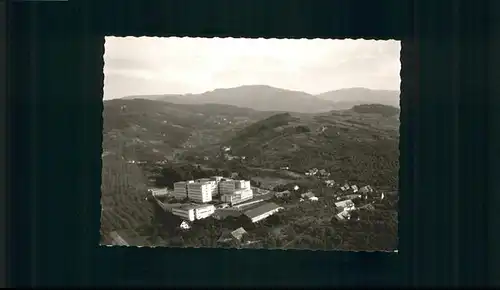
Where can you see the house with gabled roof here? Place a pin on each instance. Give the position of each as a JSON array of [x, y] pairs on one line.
[[345, 205], [366, 189], [185, 225], [232, 236], [308, 194]]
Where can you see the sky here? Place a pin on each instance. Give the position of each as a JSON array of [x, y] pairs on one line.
[[154, 65]]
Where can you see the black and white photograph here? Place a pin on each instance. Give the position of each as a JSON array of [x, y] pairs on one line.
[[289, 144]]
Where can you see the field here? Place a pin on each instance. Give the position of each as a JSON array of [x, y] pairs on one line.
[[123, 196]]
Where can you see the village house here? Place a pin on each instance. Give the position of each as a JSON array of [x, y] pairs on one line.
[[345, 187], [308, 195], [354, 188], [184, 225], [345, 205], [330, 182], [343, 215], [366, 189], [232, 237], [311, 172], [352, 196], [324, 173], [368, 207], [281, 194]]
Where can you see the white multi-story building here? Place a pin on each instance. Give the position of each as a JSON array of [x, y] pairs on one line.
[[242, 184], [200, 191], [180, 190], [191, 212], [237, 196], [217, 180], [227, 186], [204, 211], [185, 212]]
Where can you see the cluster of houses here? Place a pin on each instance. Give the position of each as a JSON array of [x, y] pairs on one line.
[[226, 154], [349, 187], [322, 173], [344, 207]]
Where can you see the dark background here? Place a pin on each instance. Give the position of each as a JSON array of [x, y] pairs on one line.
[[449, 153]]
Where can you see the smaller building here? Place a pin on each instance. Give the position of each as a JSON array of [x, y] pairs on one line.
[[238, 233], [185, 225], [191, 212], [158, 191], [352, 196], [282, 194], [366, 189], [314, 198], [343, 215], [262, 211], [232, 237], [186, 211], [345, 187], [204, 211], [354, 188], [307, 195], [330, 182], [345, 205]]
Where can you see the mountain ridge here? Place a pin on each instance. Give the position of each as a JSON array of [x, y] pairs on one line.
[[268, 98]]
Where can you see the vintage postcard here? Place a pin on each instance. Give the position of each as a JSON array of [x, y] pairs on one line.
[[251, 143]]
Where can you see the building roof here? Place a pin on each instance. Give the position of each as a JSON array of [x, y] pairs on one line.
[[238, 233], [308, 194], [261, 209], [343, 203], [186, 206]]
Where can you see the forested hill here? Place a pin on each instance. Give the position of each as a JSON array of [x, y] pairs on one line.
[[358, 144]]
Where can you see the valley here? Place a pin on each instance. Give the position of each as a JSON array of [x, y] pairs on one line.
[[142, 137]]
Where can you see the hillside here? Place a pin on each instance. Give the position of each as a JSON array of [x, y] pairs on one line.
[[143, 129], [139, 130], [266, 98], [383, 110], [347, 98], [350, 145]]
